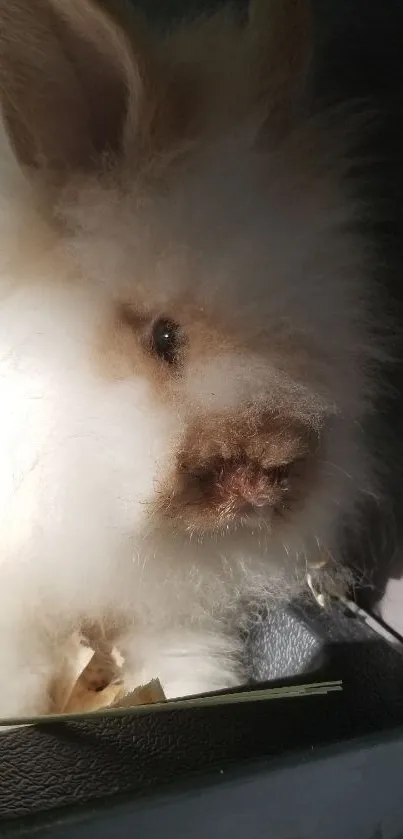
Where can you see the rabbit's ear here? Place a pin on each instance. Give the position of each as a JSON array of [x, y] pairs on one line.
[[281, 32], [71, 85]]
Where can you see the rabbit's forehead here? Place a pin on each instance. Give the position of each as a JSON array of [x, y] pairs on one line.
[[197, 234]]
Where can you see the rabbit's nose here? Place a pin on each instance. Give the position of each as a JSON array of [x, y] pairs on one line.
[[234, 486], [237, 485], [238, 468]]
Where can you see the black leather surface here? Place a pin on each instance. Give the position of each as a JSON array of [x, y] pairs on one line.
[[298, 639], [330, 793], [283, 647], [74, 763]]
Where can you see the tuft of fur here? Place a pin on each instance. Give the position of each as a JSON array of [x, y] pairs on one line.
[[181, 178]]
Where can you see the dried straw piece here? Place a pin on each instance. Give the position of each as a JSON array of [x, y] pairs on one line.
[[91, 680], [143, 695]]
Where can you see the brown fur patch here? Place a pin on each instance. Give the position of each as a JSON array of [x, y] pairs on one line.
[[232, 465]]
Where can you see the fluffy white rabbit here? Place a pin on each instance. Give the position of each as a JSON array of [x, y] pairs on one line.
[[185, 338]]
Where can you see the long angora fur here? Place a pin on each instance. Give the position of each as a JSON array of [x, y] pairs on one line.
[[185, 338]]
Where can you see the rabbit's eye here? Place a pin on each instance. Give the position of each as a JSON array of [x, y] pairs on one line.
[[166, 340]]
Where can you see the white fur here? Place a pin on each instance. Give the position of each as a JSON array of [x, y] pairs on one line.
[[81, 457]]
